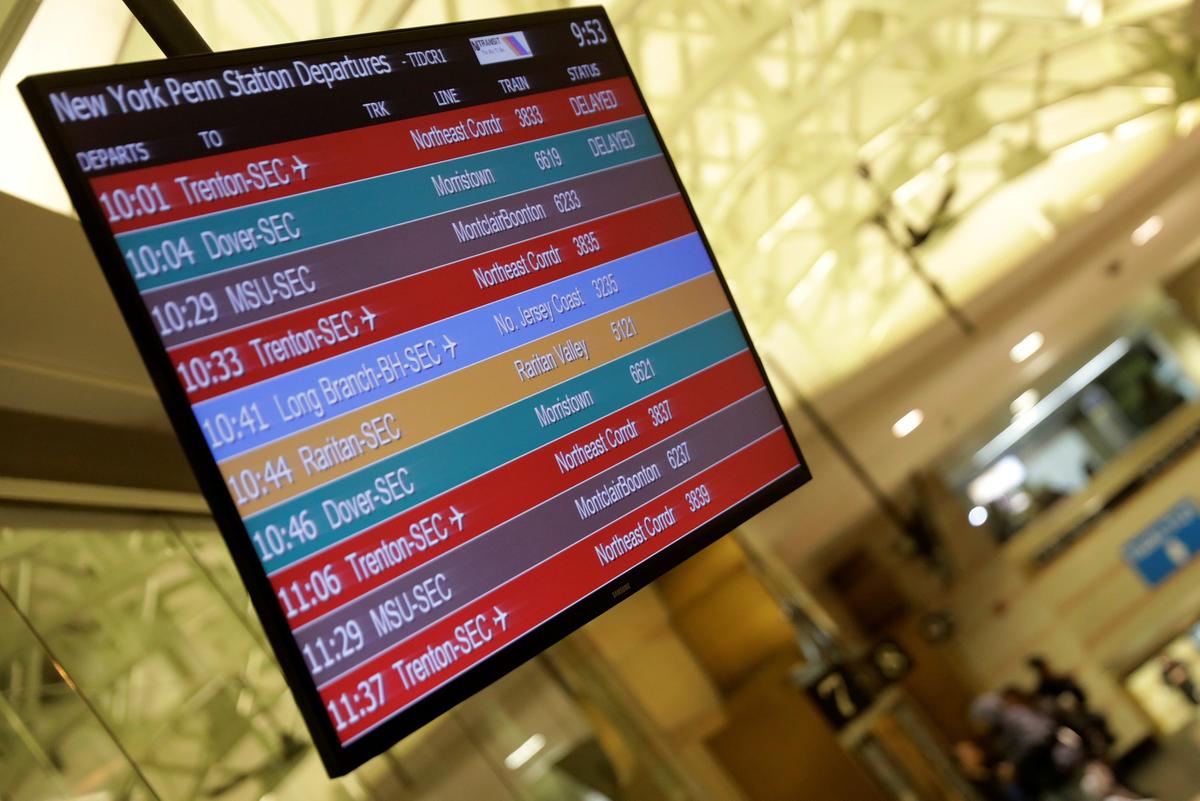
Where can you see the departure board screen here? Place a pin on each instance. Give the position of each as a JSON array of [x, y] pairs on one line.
[[439, 332]]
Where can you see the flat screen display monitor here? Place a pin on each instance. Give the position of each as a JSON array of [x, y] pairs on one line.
[[440, 334]]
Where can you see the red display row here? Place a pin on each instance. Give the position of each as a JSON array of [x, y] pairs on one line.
[[368, 695], [379, 312], [430, 530], [189, 188]]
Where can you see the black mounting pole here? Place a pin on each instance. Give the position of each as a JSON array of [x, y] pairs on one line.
[[883, 502], [169, 27]]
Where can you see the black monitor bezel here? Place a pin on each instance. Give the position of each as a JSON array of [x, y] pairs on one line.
[[339, 759]]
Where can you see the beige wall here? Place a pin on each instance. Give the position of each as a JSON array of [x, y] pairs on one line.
[[1087, 611]]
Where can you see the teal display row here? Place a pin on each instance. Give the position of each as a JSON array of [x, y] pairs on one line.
[[366, 498], [210, 243]]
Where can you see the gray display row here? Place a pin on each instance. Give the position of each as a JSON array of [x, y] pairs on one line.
[[400, 609]]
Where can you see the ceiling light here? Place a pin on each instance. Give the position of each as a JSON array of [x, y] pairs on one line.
[[525, 752], [1053, 401], [1186, 117], [994, 483], [908, 423], [1093, 13], [1146, 231], [1087, 146], [1027, 347], [61, 35], [787, 221], [977, 516], [1089, 12], [1137, 126], [812, 279], [1043, 225], [912, 187], [1159, 95], [1024, 402], [1020, 502]]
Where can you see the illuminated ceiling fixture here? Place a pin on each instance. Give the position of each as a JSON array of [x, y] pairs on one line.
[[908, 423], [1027, 347], [525, 752], [61, 35], [1131, 129], [1089, 12], [1146, 231], [1158, 95], [1006, 475], [1087, 146], [1186, 118], [977, 516], [1024, 402], [1043, 225], [1053, 401], [787, 221], [810, 282]]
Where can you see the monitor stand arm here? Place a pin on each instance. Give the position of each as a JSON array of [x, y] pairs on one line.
[[169, 27]]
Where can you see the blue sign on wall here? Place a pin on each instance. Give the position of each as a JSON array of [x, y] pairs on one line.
[[1167, 545]]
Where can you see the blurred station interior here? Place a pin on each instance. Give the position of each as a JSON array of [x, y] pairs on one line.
[[961, 234]]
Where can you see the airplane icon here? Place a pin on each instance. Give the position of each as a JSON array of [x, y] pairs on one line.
[[368, 318], [456, 517], [299, 166], [449, 345], [501, 619]]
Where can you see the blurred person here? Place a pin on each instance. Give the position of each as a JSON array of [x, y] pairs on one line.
[[1053, 685], [991, 780], [1096, 738], [1023, 737], [1178, 676], [1099, 784], [1062, 697]]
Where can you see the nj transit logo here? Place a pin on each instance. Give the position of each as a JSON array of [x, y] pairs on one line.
[[501, 47]]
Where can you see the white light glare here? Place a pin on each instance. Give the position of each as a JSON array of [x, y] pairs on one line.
[[1146, 231], [1043, 225], [1158, 95], [1131, 129], [1186, 118], [997, 481], [977, 516], [525, 752], [1024, 402], [1089, 12], [1020, 502], [812, 279], [1087, 146], [787, 221], [1027, 347], [908, 423]]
